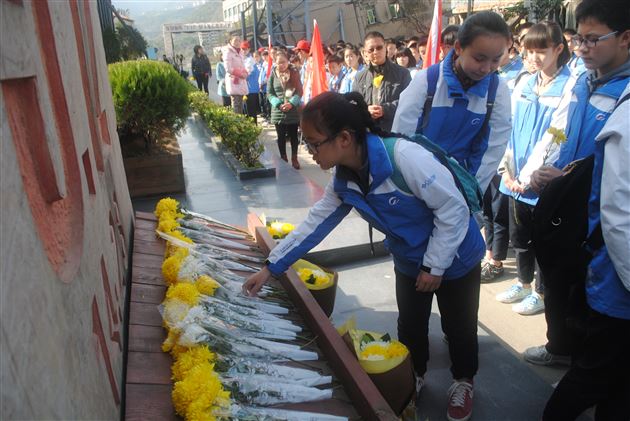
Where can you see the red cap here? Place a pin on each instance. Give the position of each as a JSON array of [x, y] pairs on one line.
[[303, 45], [261, 49], [245, 45]]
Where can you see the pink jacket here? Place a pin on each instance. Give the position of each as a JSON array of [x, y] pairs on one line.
[[236, 77]]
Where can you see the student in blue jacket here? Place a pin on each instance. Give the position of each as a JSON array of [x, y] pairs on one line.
[[459, 107], [434, 240], [598, 124], [540, 102]]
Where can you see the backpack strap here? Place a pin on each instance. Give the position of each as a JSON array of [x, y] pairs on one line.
[[433, 73], [491, 97], [396, 177]]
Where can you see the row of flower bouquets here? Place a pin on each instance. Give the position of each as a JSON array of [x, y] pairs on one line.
[[229, 350]]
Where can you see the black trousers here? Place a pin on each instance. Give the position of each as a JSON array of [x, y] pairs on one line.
[[265, 107], [496, 220], [598, 376], [565, 310], [227, 101], [284, 130], [458, 300], [202, 82], [521, 223], [252, 106]]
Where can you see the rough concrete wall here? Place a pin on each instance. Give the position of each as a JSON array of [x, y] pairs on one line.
[[66, 217]]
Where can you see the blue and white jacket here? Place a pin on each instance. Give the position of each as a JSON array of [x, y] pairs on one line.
[[608, 280], [592, 102], [431, 227], [530, 146], [510, 71], [576, 65], [348, 81], [456, 117]]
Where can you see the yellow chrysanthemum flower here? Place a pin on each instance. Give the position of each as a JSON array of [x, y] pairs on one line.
[[170, 341], [374, 351], [280, 229], [558, 135], [314, 277], [168, 205], [185, 292], [377, 81], [190, 359], [396, 349], [200, 383], [167, 225], [175, 310], [206, 285], [172, 264]]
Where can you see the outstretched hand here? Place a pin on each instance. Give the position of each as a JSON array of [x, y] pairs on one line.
[[255, 282]]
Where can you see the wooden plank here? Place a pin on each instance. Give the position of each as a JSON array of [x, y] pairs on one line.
[[151, 276], [144, 314], [146, 235], [365, 396], [148, 247], [149, 402], [146, 216], [148, 368], [144, 293], [146, 338], [150, 261]]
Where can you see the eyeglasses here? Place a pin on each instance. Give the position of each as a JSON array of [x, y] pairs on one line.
[[591, 42], [377, 48], [313, 148]]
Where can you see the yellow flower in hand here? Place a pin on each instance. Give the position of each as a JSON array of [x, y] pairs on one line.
[[558, 135], [377, 81]]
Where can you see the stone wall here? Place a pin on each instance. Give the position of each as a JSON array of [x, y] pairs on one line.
[[66, 218]]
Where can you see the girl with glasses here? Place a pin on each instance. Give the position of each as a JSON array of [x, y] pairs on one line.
[[435, 242]]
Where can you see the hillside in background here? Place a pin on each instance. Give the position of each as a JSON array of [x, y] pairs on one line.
[[150, 22]]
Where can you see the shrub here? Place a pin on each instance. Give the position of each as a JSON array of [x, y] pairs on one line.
[[150, 97], [238, 133]]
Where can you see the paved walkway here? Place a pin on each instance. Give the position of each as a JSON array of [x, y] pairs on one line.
[[506, 388]]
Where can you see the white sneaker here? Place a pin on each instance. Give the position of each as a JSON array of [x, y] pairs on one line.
[[532, 304], [515, 293]]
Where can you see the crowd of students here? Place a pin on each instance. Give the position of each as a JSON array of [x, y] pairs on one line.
[[540, 123]]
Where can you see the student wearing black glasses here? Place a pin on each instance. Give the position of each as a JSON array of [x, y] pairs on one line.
[[381, 82]]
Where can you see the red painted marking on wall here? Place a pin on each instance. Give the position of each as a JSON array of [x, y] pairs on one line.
[[87, 169], [59, 222], [78, 32], [102, 119], [26, 122], [113, 317], [91, 50], [97, 330]]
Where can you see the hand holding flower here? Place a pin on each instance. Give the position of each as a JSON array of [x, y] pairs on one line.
[[255, 282]]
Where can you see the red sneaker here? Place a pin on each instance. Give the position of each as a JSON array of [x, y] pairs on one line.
[[460, 401]]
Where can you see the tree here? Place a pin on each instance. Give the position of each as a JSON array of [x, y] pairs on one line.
[[132, 43], [418, 13], [544, 8]]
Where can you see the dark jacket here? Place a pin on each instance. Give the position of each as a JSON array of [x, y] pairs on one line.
[[395, 80], [201, 65], [276, 95]]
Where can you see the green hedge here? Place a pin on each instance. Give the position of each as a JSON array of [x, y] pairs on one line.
[[149, 98], [238, 133]]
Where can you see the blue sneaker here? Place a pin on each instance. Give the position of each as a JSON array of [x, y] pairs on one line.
[[516, 293], [532, 304]]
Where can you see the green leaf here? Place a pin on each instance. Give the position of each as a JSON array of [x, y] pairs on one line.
[[366, 338], [386, 338]]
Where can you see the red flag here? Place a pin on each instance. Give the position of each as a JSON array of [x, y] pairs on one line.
[[432, 55], [319, 83]]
